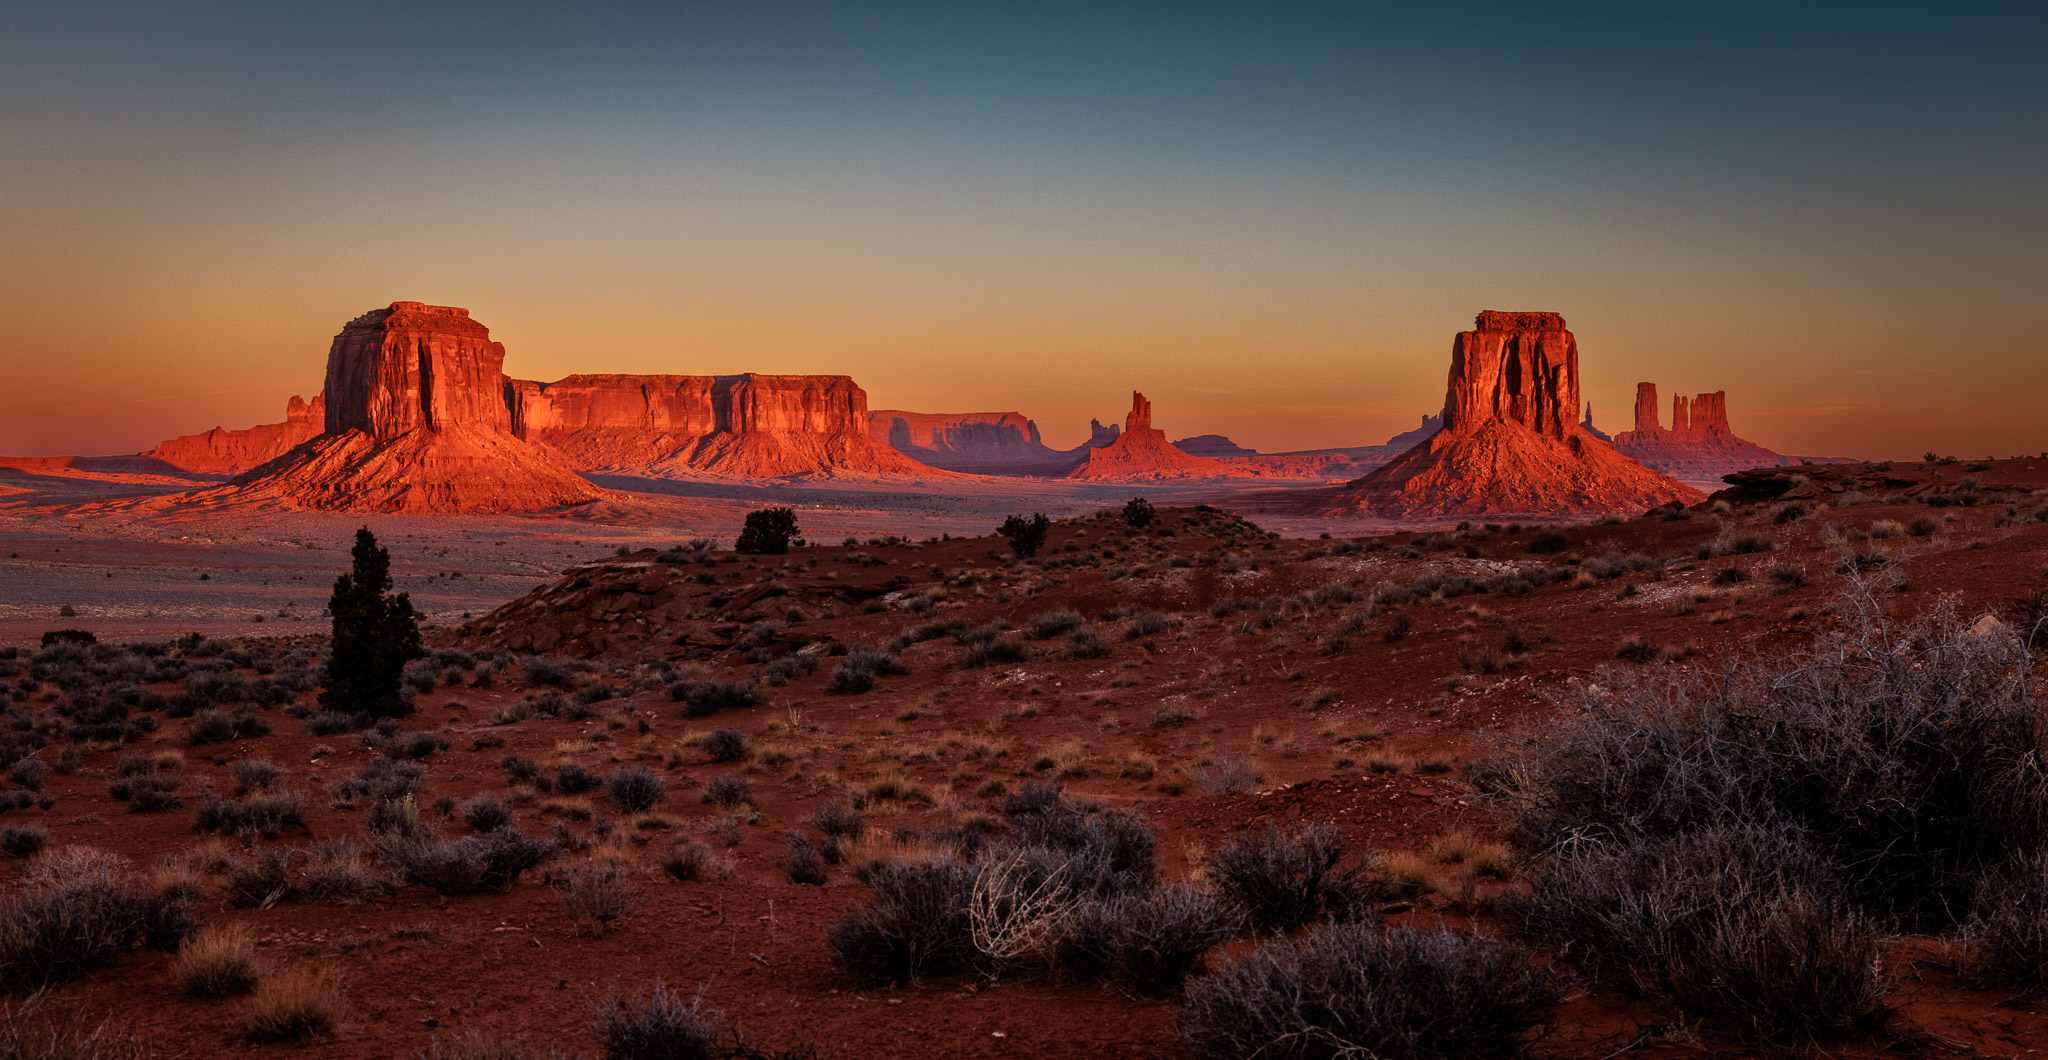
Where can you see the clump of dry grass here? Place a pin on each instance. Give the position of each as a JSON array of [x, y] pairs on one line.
[[294, 1005], [218, 962]]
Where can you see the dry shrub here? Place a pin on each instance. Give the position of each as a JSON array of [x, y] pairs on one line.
[[294, 1005], [1229, 775], [1283, 878], [688, 862], [1351, 990], [492, 862], [77, 908], [28, 1033], [594, 895], [1743, 925], [662, 1027], [1908, 753], [1150, 942], [218, 962], [915, 925]]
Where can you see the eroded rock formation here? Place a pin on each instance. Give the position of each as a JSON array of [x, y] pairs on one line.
[[755, 426], [224, 452], [1511, 442], [415, 421], [1699, 446], [1141, 453], [986, 443]]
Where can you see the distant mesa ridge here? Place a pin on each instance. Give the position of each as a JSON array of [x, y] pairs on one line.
[[418, 416], [748, 425], [225, 452], [1511, 440]]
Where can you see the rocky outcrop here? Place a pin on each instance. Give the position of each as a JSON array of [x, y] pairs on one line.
[[1101, 434], [754, 426], [1587, 424], [1511, 442], [1141, 453], [224, 452], [415, 421], [984, 443], [1215, 447], [1699, 446]]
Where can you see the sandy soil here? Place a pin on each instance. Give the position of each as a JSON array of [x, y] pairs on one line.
[[1344, 725]]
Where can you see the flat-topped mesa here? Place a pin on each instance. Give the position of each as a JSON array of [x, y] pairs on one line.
[[987, 443], [415, 421], [1511, 441], [414, 365], [225, 452], [757, 426], [1142, 454], [1518, 367]]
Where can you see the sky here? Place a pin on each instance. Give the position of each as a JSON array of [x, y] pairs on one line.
[[1270, 218]]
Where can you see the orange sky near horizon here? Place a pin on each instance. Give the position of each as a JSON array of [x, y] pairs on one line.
[[1272, 227]]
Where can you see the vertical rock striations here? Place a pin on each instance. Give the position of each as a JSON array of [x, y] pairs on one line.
[[415, 421], [1699, 446], [1511, 442], [754, 426]]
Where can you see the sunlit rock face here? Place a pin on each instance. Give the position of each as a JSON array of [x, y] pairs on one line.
[[1510, 441]]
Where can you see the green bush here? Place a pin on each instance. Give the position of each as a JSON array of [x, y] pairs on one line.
[[376, 632], [1026, 536], [768, 531]]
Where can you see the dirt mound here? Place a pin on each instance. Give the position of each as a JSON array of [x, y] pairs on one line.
[[1510, 441]]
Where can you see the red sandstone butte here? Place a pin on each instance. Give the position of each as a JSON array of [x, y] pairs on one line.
[[754, 426], [1699, 446], [415, 421], [224, 452], [1511, 442], [1141, 453]]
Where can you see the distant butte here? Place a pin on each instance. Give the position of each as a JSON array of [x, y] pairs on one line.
[[1699, 446], [1141, 453], [416, 422], [1510, 441]]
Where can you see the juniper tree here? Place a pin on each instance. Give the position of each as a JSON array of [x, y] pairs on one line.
[[768, 530], [376, 632], [1026, 536]]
